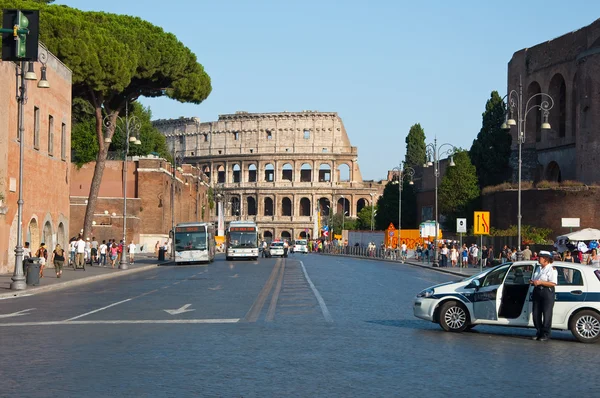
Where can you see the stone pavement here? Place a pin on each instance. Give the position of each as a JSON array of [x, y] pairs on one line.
[[71, 277]]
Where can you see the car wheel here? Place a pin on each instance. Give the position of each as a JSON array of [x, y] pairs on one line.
[[453, 317], [585, 326]]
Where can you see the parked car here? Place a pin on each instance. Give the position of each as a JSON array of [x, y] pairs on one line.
[[503, 296], [301, 246], [276, 249]]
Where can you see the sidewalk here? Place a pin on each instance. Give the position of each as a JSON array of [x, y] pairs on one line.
[[71, 277]]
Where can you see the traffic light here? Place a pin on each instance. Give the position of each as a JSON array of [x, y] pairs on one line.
[[20, 31]]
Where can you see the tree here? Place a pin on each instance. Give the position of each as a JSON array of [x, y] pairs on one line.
[[115, 59], [364, 217], [458, 189], [337, 223], [388, 206], [490, 152], [415, 146]]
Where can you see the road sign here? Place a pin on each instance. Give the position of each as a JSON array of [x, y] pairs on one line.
[[461, 225], [482, 223], [570, 222]]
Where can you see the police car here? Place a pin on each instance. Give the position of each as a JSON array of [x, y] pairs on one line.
[[503, 296], [276, 249]]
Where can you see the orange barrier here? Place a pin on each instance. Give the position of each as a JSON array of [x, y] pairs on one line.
[[411, 237]]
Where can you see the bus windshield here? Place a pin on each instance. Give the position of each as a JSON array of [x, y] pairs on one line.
[[242, 239], [195, 240]]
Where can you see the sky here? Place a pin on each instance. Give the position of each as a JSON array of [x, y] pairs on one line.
[[381, 65]]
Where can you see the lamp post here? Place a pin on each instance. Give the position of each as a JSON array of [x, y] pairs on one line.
[[177, 159], [132, 128], [434, 152], [18, 278], [343, 211], [515, 100], [372, 210], [403, 172]]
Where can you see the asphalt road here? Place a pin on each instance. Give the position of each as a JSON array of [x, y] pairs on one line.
[[306, 326]]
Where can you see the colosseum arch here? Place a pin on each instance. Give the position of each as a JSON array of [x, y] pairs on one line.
[[534, 119], [558, 114], [236, 173], [252, 173], [235, 206], [286, 207], [361, 204], [343, 204], [324, 172], [287, 172], [343, 172], [324, 204], [269, 172], [251, 206], [306, 173], [286, 235], [268, 235], [221, 174], [574, 107], [33, 234], [268, 207], [206, 171], [553, 172], [303, 235], [305, 207]]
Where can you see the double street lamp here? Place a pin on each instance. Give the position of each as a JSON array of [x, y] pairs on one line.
[[404, 172], [18, 278], [372, 209], [515, 100], [131, 126], [434, 153]]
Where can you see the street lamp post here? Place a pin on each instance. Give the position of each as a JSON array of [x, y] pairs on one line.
[[372, 210], [18, 278], [132, 128], [403, 172], [177, 159], [434, 152], [515, 100]]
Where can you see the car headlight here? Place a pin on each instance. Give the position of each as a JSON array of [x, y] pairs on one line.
[[426, 293]]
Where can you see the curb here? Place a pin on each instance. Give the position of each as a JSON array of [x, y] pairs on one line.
[[436, 269], [77, 282]]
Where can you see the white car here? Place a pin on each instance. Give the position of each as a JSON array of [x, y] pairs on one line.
[[276, 249], [301, 246], [503, 296]]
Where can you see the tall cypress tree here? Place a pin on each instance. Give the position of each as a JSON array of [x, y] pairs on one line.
[[415, 146]]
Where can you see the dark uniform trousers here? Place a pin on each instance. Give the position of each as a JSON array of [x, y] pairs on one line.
[[543, 304]]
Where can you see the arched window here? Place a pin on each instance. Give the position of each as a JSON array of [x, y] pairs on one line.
[[268, 210], [235, 206], [324, 206], [343, 205], [269, 173], [343, 173], [286, 235], [558, 114], [220, 174], [306, 173], [251, 205], [305, 207], [237, 173], [553, 172], [206, 171], [287, 172], [286, 207], [268, 236], [324, 173], [360, 204], [303, 235], [534, 118], [252, 173]]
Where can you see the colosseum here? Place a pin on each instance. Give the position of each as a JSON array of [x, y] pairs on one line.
[[279, 169]]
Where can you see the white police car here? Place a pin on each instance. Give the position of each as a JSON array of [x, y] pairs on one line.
[[503, 296], [276, 249]]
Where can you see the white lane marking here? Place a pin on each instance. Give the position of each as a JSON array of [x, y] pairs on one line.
[[16, 296], [18, 313], [180, 310], [126, 322], [98, 310], [324, 309]]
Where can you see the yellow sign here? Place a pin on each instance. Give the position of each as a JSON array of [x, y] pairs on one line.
[[481, 223]]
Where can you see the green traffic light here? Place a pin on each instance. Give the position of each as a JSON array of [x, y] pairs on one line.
[[21, 22]]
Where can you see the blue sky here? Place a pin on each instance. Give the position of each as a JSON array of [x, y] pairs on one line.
[[382, 65]]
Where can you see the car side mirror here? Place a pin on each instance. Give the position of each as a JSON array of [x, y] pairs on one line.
[[474, 284]]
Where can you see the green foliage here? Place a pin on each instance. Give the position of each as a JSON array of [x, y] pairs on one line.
[[211, 199], [415, 146], [529, 234], [337, 223], [388, 206], [363, 222], [84, 145], [490, 152], [458, 191]]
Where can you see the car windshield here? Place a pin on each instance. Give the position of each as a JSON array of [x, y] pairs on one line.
[[277, 245], [301, 242], [484, 272]]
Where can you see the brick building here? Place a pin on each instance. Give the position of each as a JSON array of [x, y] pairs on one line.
[[279, 169], [568, 69], [149, 215], [46, 170]]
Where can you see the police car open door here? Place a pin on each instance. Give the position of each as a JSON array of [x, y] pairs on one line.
[[486, 300]]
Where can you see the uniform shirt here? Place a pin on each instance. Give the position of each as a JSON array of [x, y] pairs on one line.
[[80, 246], [545, 274], [132, 248]]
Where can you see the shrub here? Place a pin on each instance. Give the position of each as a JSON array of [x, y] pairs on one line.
[[547, 184]]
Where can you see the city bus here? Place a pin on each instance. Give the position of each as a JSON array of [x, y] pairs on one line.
[[194, 242], [241, 240]]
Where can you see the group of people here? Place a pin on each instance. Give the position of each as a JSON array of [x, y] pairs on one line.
[[86, 251]]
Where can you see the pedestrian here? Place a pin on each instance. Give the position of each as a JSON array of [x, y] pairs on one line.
[[475, 255], [58, 259], [491, 255], [88, 250], [594, 259], [286, 247], [568, 258], [484, 256], [94, 246], [26, 251], [120, 249], [526, 254], [103, 249], [544, 279], [80, 253], [114, 252], [465, 256], [42, 254], [454, 256], [131, 252], [72, 251], [504, 256], [444, 252], [404, 251], [156, 247]]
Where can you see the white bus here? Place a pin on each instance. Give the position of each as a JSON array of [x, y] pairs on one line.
[[194, 242], [241, 240]]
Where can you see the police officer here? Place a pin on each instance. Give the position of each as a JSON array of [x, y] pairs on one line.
[[544, 279]]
